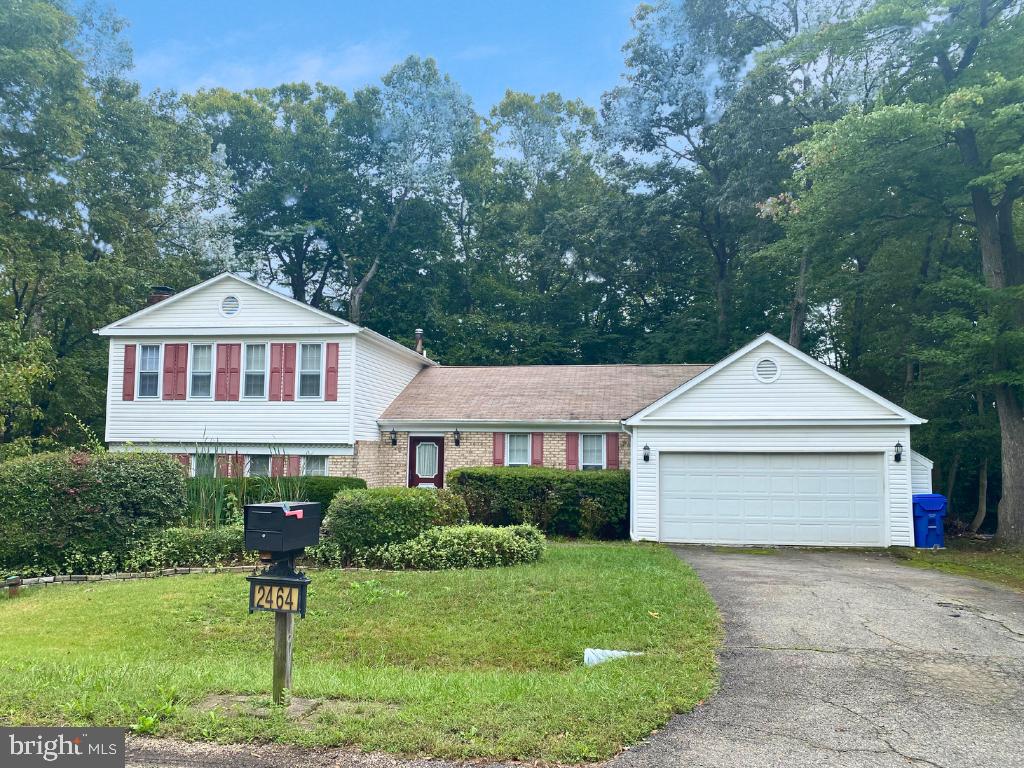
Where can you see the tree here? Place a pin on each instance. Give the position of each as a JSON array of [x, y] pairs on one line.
[[24, 368]]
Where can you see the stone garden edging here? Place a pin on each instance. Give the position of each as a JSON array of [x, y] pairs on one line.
[[10, 586]]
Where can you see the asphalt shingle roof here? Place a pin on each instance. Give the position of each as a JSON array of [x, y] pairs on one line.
[[536, 392]]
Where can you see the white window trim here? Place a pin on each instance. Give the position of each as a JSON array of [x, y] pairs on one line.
[[604, 449], [248, 466], [298, 369], [266, 369], [191, 368], [318, 474], [529, 449], [159, 373]]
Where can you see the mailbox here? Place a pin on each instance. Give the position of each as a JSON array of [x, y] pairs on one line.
[[282, 526]]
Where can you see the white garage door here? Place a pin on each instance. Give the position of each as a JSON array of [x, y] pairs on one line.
[[772, 498]]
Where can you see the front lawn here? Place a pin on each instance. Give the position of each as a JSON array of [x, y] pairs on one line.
[[970, 557], [455, 664]]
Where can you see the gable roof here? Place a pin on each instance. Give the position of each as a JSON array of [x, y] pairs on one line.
[[543, 393], [899, 415], [222, 277]]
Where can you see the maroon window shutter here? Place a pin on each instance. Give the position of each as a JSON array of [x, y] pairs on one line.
[[294, 466], [611, 450], [277, 466], [276, 370], [331, 376], [499, 449], [234, 370], [238, 465], [572, 450], [289, 372], [537, 449], [223, 466], [185, 460], [128, 380], [221, 389], [170, 369], [181, 387]]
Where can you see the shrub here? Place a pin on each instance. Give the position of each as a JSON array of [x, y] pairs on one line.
[[190, 547], [460, 546], [360, 519], [209, 496], [62, 512], [560, 502]]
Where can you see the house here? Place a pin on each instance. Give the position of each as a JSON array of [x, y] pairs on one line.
[[767, 446]]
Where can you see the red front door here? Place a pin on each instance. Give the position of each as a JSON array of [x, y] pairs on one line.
[[426, 461]]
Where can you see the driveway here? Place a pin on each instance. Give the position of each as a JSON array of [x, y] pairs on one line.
[[844, 659]]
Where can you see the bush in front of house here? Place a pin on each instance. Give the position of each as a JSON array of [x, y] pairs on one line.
[[592, 504], [190, 548], [84, 512], [210, 497], [459, 546], [360, 519]]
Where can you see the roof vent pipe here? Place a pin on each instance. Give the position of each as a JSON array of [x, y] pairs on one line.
[[419, 341], [158, 293]]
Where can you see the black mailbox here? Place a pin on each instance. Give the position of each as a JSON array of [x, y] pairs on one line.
[[282, 526]]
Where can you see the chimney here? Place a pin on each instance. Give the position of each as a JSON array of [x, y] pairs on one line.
[[419, 341], [158, 293]]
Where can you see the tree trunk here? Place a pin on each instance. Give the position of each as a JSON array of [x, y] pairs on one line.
[[1011, 505], [979, 516], [798, 310], [951, 483]]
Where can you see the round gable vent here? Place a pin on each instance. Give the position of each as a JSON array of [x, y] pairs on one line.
[[229, 306], [766, 370]]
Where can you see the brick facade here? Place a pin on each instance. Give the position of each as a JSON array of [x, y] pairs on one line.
[[381, 464]]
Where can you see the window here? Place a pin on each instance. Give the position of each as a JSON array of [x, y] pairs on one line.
[[149, 370], [258, 466], [518, 449], [592, 451], [255, 370], [202, 369], [309, 370], [314, 465], [204, 465]]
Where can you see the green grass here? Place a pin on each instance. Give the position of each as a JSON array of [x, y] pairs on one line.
[[467, 663], [969, 557]]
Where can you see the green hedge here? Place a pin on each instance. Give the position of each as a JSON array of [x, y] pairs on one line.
[[84, 512], [459, 546], [190, 548], [593, 504], [361, 519]]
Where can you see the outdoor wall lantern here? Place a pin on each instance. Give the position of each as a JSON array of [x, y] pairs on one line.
[[647, 452], [394, 436], [458, 437], [899, 452]]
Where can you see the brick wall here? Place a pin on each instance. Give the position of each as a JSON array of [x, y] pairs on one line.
[[381, 464]]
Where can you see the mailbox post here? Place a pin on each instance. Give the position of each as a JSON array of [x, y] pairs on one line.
[[280, 531]]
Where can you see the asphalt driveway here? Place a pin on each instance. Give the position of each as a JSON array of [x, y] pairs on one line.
[[844, 659]]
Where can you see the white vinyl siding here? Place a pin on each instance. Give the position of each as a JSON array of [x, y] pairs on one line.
[[800, 392], [920, 472], [149, 371], [592, 449], [201, 372], [380, 373], [878, 440], [254, 376], [517, 449], [245, 422], [311, 360]]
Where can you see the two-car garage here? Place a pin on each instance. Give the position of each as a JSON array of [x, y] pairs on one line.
[[771, 447]]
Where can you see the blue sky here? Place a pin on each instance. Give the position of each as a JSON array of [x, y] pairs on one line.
[[569, 46]]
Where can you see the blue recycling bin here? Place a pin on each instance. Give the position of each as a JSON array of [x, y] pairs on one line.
[[929, 515]]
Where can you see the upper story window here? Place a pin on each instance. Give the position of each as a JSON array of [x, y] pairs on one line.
[[149, 370], [255, 370], [314, 465], [202, 370], [517, 449], [310, 369], [592, 452]]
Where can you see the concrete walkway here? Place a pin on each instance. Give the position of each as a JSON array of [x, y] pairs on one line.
[[836, 659]]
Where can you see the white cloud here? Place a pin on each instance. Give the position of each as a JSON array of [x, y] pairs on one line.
[[240, 64]]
